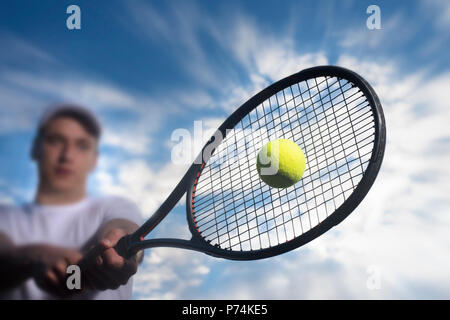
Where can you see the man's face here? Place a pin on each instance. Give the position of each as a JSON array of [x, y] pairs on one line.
[[68, 154]]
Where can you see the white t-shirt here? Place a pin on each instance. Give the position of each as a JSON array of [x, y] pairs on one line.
[[66, 226]]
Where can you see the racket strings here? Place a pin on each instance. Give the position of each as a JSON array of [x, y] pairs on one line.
[[202, 204], [296, 126], [331, 120], [207, 226], [206, 205], [261, 225], [347, 136]]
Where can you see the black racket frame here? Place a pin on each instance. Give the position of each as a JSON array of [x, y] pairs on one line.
[[130, 244]]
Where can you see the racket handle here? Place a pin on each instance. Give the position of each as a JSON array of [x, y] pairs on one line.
[[122, 247]]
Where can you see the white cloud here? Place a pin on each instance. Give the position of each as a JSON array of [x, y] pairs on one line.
[[18, 109], [266, 58], [196, 100], [169, 273], [267, 55], [22, 50], [76, 88], [151, 22], [135, 144], [136, 179], [25, 95], [394, 29]]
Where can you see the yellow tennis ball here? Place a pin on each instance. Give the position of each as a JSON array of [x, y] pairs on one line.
[[281, 163]]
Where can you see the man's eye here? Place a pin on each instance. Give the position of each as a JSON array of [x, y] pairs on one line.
[[52, 140], [84, 146]]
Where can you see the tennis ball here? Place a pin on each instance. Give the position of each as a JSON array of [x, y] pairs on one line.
[[281, 163]]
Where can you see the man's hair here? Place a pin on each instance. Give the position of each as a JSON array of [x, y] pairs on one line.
[[80, 114]]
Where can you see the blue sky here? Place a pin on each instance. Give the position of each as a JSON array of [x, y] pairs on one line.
[[148, 68]]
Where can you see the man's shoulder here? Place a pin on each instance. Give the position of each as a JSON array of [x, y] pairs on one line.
[[118, 207], [112, 201], [11, 208], [10, 213]]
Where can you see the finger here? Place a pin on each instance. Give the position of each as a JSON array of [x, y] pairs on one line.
[[112, 276], [107, 243], [132, 266], [115, 278], [98, 261], [102, 279], [89, 265], [43, 283], [51, 278], [123, 274], [94, 281], [60, 270], [113, 260], [99, 248], [74, 258], [86, 280], [113, 236], [91, 258], [53, 285]]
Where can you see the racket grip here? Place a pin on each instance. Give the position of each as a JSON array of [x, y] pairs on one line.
[[122, 247]]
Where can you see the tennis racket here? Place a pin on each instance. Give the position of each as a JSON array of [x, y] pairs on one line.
[[336, 118]]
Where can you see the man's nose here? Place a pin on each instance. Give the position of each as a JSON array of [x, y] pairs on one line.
[[67, 152]]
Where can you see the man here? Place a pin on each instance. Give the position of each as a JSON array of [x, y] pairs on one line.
[[63, 226]]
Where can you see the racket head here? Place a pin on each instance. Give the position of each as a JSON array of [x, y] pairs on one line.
[[348, 84]]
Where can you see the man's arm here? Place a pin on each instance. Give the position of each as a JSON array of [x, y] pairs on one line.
[[15, 266], [47, 264]]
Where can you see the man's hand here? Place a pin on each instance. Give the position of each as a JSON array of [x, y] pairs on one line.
[[103, 268], [50, 266]]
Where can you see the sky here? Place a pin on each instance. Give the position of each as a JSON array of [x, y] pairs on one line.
[[148, 68]]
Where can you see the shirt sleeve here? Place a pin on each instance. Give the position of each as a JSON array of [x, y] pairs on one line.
[[5, 222], [121, 208]]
